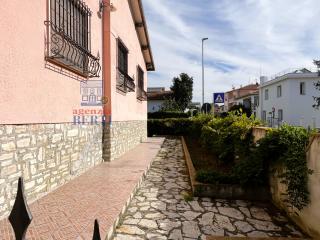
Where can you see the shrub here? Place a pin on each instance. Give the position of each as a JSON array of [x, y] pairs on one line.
[[214, 177], [240, 108], [163, 114], [229, 138], [287, 145], [178, 126], [168, 126]]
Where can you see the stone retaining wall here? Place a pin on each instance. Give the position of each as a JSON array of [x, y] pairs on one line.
[[120, 137], [46, 155], [309, 217]]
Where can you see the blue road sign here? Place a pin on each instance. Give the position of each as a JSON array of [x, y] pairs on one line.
[[218, 97]]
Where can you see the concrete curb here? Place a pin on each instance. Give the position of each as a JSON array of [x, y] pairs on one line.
[[112, 229]]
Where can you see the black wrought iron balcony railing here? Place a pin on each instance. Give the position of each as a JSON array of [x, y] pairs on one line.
[[141, 95], [68, 42], [124, 82]]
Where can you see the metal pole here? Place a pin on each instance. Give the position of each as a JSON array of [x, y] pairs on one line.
[[202, 76], [203, 39]]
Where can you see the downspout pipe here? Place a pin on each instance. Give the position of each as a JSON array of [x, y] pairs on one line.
[[106, 58], [106, 79]]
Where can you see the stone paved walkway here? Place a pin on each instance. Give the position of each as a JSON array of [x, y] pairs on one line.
[[159, 209], [68, 213]]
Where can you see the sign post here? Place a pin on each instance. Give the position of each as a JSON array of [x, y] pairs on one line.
[[217, 98]]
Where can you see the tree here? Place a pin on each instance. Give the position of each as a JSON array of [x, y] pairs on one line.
[[182, 88], [169, 105], [236, 108]]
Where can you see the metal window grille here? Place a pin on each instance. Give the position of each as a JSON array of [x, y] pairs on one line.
[[69, 31], [122, 58], [124, 82], [141, 94]]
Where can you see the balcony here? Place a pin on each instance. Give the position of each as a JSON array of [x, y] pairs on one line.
[[68, 40], [141, 95], [124, 82]]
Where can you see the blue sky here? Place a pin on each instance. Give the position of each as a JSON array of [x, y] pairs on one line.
[[246, 38]]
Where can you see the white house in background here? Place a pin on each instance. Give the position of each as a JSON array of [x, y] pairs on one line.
[[156, 97], [250, 100], [288, 98]]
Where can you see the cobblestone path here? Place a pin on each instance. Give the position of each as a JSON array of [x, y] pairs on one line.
[[159, 209]]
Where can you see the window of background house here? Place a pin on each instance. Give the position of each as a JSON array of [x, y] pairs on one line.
[[302, 88], [266, 94], [280, 114], [264, 116], [122, 58], [140, 78], [279, 91]]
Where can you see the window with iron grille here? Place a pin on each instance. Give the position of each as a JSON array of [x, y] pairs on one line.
[[122, 58], [141, 94], [69, 27], [124, 82], [140, 78]]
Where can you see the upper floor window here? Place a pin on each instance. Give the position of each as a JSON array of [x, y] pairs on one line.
[[302, 88], [69, 37], [124, 82], [279, 91], [266, 94]]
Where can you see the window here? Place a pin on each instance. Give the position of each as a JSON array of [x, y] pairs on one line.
[[266, 94], [122, 58], [141, 94], [69, 35], [256, 101], [302, 88], [280, 115], [264, 116], [279, 91], [124, 82], [140, 78]]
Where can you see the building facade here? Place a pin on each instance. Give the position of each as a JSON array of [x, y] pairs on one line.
[[73, 80], [289, 98], [156, 98], [250, 101], [231, 97]]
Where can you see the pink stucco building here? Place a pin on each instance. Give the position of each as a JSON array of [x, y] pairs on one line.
[[67, 68]]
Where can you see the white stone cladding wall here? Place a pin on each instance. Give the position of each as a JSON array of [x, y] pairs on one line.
[[46, 156], [122, 136]]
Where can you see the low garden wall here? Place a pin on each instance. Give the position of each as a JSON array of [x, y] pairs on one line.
[[309, 217], [222, 191]]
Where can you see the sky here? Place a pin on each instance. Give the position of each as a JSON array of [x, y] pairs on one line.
[[247, 38]]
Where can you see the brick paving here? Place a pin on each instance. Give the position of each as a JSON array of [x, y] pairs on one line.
[[159, 209], [69, 212]]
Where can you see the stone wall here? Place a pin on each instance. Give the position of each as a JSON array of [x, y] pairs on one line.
[[122, 136], [46, 155], [309, 217]]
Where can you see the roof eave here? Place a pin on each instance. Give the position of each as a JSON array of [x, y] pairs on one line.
[[140, 23]]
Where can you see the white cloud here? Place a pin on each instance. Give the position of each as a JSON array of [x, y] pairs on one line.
[[251, 35]]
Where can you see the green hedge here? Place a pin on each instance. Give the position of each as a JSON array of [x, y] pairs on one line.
[[163, 115], [178, 126]]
